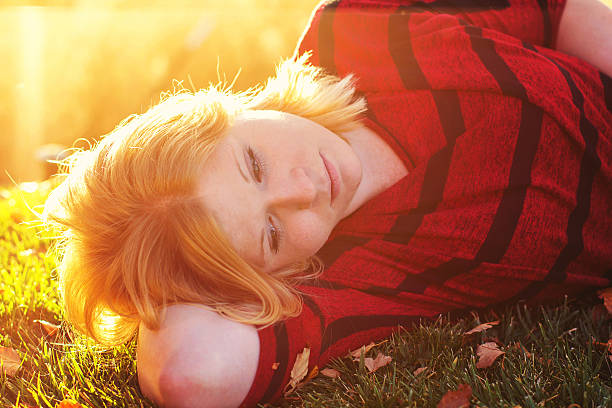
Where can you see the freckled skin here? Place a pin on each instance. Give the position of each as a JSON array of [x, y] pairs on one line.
[[293, 192]]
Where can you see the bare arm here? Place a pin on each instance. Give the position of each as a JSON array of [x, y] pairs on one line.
[[197, 359], [585, 31]]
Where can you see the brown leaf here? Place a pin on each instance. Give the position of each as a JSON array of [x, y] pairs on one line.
[[68, 403], [457, 399], [330, 372], [373, 364], [419, 370], [356, 354], [50, 328], [606, 295], [9, 361], [312, 374], [299, 370], [363, 349], [482, 327], [487, 352]]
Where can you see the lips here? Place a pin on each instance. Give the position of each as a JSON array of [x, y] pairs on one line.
[[333, 178]]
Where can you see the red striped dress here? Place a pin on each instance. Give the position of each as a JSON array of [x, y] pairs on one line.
[[509, 193]]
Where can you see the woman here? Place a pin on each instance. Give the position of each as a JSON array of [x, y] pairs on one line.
[[464, 164]]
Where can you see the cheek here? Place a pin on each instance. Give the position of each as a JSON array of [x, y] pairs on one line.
[[308, 236]]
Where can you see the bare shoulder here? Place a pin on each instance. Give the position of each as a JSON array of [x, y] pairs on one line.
[[197, 358]]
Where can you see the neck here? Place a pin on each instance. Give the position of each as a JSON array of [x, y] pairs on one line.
[[381, 166]]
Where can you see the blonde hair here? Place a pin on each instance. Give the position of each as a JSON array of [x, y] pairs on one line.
[[135, 236]]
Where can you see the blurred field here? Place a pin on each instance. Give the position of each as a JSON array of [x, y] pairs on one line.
[[73, 69]]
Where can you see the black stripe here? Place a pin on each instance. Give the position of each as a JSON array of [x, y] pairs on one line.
[[325, 284], [326, 38], [511, 205], [546, 23], [485, 48], [606, 82], [589, 166], [436, 173], [348, 325], [282, 357], [333, 249], [449, 111], [463, 6], [308, 301], [417, 283], [400, 49], [508, 213], [370, 115]]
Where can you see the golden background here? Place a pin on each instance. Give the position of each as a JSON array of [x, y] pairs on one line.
[[75, 68]]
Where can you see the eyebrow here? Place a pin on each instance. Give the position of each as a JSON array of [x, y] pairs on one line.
[[239, 168]]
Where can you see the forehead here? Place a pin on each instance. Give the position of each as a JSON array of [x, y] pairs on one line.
[[261, 122]]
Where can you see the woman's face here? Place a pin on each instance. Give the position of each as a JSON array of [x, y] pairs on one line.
[[268, 184]]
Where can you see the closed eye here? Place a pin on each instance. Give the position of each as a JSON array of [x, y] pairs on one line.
[[257, 166], [275, 235]]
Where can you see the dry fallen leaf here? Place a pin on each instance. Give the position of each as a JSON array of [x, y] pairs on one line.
[[356, 354], [363, 349], [312, 374], [299, 370], [9, 361], [373, 364], [49, 328], [482, 327], [419, 370], [606, 295], [487, 352], [457, 399], [68, 403], [330, 372]]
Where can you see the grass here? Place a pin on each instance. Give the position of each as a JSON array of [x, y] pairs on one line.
[[565, 363]]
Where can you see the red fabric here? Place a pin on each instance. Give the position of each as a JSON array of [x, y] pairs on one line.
[[509, 147]]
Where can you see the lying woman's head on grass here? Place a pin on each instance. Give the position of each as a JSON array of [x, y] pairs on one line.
[[138, 231]]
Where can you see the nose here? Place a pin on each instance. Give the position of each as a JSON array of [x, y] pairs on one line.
[[295, 191]]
